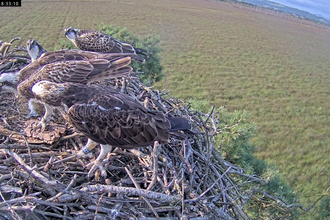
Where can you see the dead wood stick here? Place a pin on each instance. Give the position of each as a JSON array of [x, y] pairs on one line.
[[154, 156], [134, 152], [10, 189], [18, 200], [57, 162], [30, 170], [52, 214], [47, 203], [15, 215], [283, 204], [182, 193], [64, 198], [18, 146], [5, 66], [18, 57], [18, 208], [163, 184], [229, 181], [32, 155], [64, 160], [65, 190], [138, 187], [49, 164], [43, 187], [29, 151], [237, 208], [253, 178], [184, 159], [100, 209], [4, 48], [130, 191], [71, 136], [201, 195], [115, 211], [164, 218], [14, 39], [5, 177], [161, 209]]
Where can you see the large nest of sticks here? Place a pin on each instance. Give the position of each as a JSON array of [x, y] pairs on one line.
[[41, 178]]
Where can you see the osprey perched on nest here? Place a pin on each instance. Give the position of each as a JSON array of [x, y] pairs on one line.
[[34, 49], [64, 66], [107, 117], [100, 42]]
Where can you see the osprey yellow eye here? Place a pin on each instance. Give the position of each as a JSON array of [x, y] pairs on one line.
[[0, 84]]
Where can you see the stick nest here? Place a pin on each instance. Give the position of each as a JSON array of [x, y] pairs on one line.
[[41, 178]]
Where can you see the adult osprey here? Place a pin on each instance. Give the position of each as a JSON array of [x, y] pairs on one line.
[[99, 42], [64, 66], [108, 117]]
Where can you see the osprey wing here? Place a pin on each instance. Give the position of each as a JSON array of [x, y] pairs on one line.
[[118, 120], [98, 42], [50, 57]]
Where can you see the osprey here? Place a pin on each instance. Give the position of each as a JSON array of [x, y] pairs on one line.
[[100, 42], [64, 66], [107, 117], [35, 50]]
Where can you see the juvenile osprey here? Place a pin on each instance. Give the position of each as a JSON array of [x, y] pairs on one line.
[[100, 42], [107, 117], [65, 66], [35, 50]]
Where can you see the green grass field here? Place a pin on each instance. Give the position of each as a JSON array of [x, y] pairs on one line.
[[277, 68]]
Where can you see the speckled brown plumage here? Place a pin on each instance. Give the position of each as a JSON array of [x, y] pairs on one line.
[[108, 117], [99, 42], [67, 55], [77, 71]]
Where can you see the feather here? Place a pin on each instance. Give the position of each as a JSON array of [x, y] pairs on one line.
[[88, 40], [108, 117]]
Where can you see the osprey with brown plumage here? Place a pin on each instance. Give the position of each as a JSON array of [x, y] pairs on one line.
[[99, 42], [108, 117], [41, 58], [65, 66]]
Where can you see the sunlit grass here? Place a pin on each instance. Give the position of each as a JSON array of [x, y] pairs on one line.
[[276, 69]]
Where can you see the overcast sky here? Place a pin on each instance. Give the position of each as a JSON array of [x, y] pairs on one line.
[[317, 7]]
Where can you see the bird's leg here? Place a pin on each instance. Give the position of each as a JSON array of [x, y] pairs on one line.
[[45, 119], [33, 112], [105, 149], [90, 145]]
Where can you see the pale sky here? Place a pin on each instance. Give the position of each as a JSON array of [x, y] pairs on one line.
[[317, 7]]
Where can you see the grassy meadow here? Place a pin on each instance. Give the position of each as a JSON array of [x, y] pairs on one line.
[[275, 67]]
